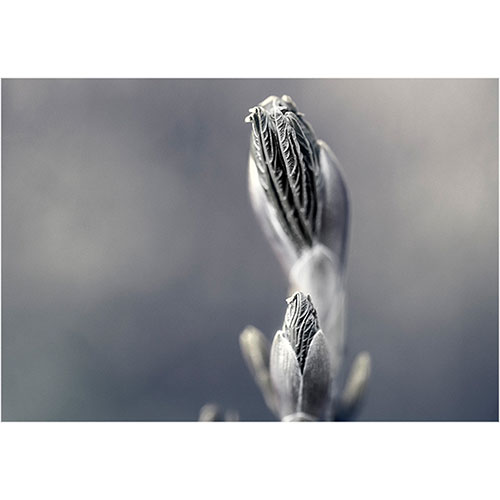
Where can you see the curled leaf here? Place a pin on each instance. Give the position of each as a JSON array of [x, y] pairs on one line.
[[286, 158], [355, 387], [285, 375], [316, 378], [256, 351], [300, 325]]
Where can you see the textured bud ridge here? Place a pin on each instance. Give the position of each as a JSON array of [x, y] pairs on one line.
[[286, 155], [300, 325], [301, 201]]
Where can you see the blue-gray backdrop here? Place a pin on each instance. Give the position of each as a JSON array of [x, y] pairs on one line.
[[132, 259]]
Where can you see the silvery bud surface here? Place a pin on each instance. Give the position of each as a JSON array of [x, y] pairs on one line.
[[317, 273], [300, 363], [300, 199], [296, 187]]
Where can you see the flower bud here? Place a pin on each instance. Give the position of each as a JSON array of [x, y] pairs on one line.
[[299, 364], [296, 186], [284, 152]]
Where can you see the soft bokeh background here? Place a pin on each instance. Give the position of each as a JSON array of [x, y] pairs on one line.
[[132, 259]]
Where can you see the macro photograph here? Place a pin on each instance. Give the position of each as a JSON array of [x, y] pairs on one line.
[[263, 250]]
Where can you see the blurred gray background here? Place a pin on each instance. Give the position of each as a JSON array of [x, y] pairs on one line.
[[132, 259]]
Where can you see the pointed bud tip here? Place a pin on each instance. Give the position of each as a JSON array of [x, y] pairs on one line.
[[298, 295]]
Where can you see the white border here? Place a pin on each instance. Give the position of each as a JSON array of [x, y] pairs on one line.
[[261, 38], [230, 39], [248, 461]]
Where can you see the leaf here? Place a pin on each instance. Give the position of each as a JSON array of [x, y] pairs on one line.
[[256, 352], [355, 387], [316, 378], [285, 374]]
